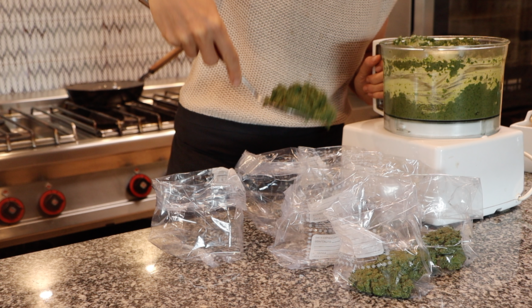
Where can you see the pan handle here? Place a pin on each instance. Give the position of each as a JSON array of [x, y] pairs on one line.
[[145, 2], [162, 61]]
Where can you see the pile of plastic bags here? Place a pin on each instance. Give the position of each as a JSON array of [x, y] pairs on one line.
[[385, 224]]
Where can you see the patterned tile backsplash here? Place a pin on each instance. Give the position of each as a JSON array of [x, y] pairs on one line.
[[47, 44]]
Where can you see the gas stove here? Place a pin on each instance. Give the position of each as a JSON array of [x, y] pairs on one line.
[[66, 168]]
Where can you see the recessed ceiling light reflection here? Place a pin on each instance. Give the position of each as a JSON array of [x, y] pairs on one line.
[[150, 268], [46, 294]]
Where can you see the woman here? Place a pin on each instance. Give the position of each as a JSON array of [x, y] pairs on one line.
[[269, 42]]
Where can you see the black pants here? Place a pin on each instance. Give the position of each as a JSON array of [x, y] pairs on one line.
[[203, 142]]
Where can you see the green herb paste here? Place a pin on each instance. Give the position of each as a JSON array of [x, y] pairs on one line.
[[476, 101], [445, 248], [305, 100], [428, 64], [442, 84], [392, 275], [419, 41]]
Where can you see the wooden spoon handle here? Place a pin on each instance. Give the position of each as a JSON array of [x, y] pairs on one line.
[[162, 61]]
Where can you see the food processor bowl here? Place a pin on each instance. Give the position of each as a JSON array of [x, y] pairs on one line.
[[443, 86]]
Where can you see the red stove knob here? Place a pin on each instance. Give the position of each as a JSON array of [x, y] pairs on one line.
[[140, 185], [52, 202], [11, 210]]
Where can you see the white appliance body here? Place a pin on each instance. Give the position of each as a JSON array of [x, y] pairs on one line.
[[497, 159], [526, 127]]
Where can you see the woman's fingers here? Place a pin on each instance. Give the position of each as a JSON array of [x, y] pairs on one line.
[[379, 67], [366, 68], [374, 86], [377, 78], [196, 26], [188, 43], [366, 84], [229, 56], [205, 43]]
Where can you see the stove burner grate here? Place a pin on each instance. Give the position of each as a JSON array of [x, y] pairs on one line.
[[19, 129], [57, 124]]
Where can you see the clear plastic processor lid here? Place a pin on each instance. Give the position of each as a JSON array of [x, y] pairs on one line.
[[443, 78]]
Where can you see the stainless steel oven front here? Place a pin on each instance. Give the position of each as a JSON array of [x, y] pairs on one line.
[[64, 169]]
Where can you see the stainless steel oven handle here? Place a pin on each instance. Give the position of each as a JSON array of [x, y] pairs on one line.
[[423, 17]]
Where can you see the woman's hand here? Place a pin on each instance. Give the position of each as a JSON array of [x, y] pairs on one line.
[[195, 25], [366, 84]]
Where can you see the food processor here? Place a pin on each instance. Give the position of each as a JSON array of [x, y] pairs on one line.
[[442, 103]]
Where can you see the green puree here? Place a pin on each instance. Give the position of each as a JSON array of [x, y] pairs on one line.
[[305, 100], [428, 64], [431, 80], [419, 41], [475, 102]]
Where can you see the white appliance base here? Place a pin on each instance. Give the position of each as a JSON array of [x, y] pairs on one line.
[[442, 130], [497, 159], [526, 127]]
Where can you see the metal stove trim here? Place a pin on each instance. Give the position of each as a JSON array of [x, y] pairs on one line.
[[119, 211], [85, 149]]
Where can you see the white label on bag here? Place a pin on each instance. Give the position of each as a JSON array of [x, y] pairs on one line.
[[324, 246], [366, 243], [346, 249]]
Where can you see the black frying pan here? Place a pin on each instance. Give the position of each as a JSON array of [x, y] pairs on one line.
[[104, 94], [108, 94]]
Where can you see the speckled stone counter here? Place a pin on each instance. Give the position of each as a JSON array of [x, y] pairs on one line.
[[126, 270]]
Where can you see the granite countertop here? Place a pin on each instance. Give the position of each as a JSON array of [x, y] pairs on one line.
[[126, 270]]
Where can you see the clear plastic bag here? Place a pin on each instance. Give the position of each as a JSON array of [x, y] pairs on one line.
[[385, 214], [400, 271], [449, 204], [305, 237], [304, 242], [266, 177], [199, 216], [365, 162], [381, 247]]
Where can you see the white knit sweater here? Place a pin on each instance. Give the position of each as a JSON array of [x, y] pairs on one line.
[[286, 41]]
